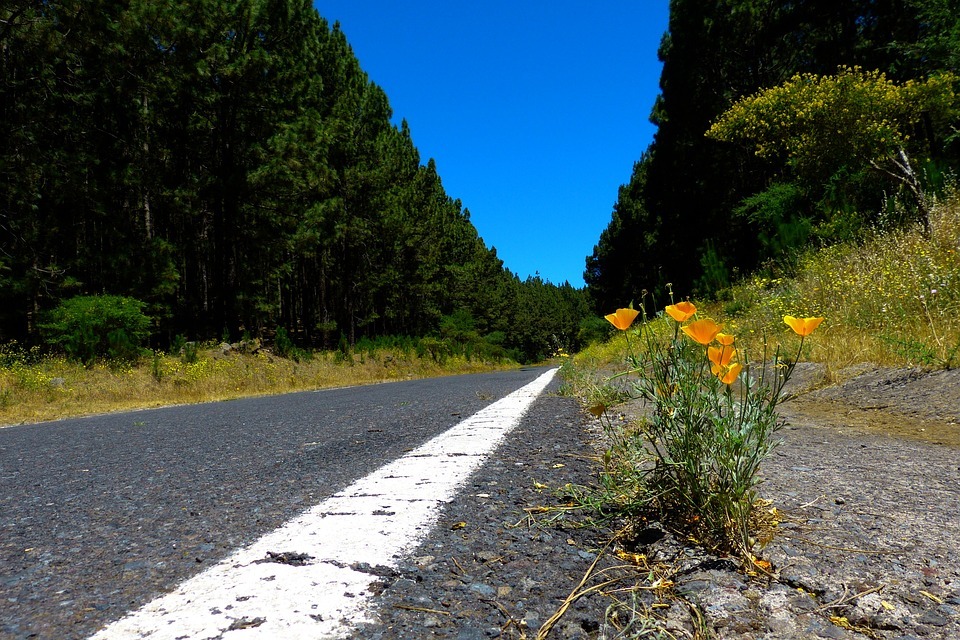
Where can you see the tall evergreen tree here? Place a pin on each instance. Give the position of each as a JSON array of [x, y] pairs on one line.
[[714, 53], [229, 163]]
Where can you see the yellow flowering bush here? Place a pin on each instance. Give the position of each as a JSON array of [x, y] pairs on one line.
[[820, 123], [856, 112]]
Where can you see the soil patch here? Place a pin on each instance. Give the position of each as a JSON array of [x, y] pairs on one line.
[[900, 403]]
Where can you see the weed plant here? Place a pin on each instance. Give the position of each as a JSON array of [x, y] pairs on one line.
[[708, 422]]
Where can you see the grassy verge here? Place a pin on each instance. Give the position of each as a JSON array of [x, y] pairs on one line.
[[34, 389], [891, 300]]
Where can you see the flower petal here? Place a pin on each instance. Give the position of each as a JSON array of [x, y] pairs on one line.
[[802, 326], [682, 311], [623, 318], [721, 356], [731, 373], [703, 331]]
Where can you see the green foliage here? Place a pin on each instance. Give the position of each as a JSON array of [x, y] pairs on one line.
[[782, 231], [815, 119], [343, 353], [187, 350], [459, 326], [686, 185], [922, 353], [15, 354], [91, 327], [156, 367], [285, 348], [282, 344], [593, 329], [695, 456], [826, 124], [716, 275], [231, 164]]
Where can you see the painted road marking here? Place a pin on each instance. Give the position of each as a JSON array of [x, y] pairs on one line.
[[310, 578]]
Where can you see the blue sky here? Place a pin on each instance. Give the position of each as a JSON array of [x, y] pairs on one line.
[[534, 111]]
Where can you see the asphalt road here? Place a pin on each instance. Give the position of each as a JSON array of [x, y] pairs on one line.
[[100, 515]]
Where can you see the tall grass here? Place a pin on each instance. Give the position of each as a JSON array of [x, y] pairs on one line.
[[35, 388], [893, 299]]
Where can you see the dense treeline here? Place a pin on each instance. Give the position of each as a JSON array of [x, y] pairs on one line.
[[699, 210], [229, 163]]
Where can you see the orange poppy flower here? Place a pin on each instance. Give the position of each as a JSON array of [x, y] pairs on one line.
[[623, 318], [703, 331], [682, 311], [729, 374], [802, 326], [725, 339], [721, 357]]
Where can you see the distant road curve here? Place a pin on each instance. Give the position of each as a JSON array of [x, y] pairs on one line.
[[100, 516]]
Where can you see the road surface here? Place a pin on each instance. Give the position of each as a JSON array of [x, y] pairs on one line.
[[100, 516]]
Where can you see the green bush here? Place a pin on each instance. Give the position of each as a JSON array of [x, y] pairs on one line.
[[343, 353], [91, 327], [284, 347], [593, 329]]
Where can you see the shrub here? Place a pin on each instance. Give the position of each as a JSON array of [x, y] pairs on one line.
[[343, 353], [91, 327], [284, 347], [593, 329]]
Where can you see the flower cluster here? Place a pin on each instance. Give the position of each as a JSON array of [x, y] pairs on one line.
[[723, 356], [696, 453]]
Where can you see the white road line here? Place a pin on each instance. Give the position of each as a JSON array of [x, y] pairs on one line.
[[374, 522]]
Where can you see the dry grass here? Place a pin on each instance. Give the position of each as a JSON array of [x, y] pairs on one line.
[[33, 389], [892, 300]]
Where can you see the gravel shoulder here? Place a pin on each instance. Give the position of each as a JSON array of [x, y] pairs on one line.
[[866, 484]]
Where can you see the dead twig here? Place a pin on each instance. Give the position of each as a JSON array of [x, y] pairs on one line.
[[845, 599], [576, 594], [407, 607], [462, 570], [511, 621]]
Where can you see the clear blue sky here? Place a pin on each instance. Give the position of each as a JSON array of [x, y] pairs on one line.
[[534, 111]]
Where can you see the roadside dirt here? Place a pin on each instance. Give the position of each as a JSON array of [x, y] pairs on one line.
[[900, 403], [866, 484]]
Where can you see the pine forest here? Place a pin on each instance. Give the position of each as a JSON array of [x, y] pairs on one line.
[[228, 164], [782, 126]]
